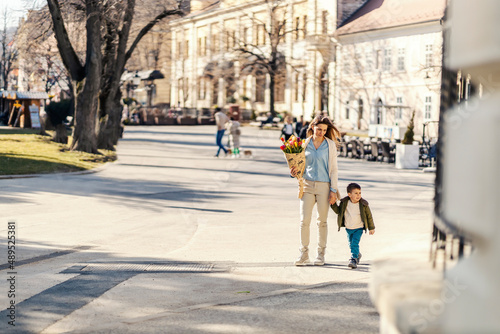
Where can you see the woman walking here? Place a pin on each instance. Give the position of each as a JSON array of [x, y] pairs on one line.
[[320, 184]]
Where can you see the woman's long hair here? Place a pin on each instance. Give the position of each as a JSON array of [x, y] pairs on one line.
[[331, 133]]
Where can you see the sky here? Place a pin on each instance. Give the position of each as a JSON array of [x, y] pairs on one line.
[[15, 10]]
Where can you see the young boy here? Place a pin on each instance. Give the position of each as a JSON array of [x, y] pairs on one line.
[[233, 127], [354, 214]]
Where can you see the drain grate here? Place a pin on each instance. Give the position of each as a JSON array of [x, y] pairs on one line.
[[115, 267], [151, 267], [189, 267]]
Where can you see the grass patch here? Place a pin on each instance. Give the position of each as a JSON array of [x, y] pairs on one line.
[[22, 154]]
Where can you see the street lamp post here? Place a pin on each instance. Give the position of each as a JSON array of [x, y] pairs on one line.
[[149, 83]]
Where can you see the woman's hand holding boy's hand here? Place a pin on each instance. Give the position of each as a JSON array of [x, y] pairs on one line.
[[332, 198], [372, 232]]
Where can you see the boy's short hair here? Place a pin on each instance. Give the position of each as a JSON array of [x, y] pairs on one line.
[[353, 186]]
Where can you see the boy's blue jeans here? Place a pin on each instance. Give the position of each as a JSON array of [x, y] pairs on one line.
[[220, 135], [354, 236]]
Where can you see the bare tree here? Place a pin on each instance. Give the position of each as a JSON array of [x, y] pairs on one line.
[[37, 46], [264, 55], [85, 77], [9, 52], [96, 81], [117, 28], [359, 72]]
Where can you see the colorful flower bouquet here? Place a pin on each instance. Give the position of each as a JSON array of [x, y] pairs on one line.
[[295, 156]]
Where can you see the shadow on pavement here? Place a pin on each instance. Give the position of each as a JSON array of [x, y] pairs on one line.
[[194, 302]]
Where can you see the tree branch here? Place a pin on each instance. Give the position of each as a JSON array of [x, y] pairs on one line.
[[149, 26], [68, 54]]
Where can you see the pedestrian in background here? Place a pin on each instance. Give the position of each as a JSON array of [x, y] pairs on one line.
[[220, 120], [355, 215], [287, 130], [320, 185], [299, 125], [303, 132]]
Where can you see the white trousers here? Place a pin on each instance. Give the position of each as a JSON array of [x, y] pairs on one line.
[[314, 193]]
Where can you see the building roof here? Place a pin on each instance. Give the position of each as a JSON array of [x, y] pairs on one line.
[[381, 14], [15, 95], [143, 75], [203, 6]]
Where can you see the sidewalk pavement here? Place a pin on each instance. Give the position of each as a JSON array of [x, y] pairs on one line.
[[169, 239]]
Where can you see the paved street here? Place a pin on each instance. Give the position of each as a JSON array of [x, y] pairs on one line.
[[169, 239]]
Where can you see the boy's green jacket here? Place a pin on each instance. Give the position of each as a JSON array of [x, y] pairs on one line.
[[364, 209]]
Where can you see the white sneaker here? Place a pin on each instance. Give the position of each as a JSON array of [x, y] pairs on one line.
[[320, 260], [303, 259]]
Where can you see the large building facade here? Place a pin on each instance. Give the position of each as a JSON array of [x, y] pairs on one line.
[[208, 70], [389, 66], [364, 62]]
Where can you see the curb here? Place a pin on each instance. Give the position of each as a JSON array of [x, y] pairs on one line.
[[83, 172]]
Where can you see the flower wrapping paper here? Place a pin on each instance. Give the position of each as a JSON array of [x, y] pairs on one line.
[[297, 160]]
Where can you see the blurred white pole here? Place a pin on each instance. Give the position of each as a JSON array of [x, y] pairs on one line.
[[471, 170]]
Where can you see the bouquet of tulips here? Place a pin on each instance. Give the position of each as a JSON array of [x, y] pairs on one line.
[[292, 145], [295, 156]]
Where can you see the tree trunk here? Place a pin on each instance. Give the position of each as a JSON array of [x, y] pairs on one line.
[[87, 90], [272, 83], [61, 135], [84, 133], [110, 127]]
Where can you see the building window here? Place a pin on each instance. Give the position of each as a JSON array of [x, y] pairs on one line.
[[325, 22], [347, 63], [358, 64], [360, 110], [260, 88], [304, 86], [279, 87], [202, 88], [260, 38], [180, 89], [214, 39], [347, 109], [244, 87], [387, 60], [296, 29], [186, 49], [304, 27], [428, 56], [379, 107], [368, 62], [428, 107], [296, 88], [245, 35], [399, 109], [179, 50], [215, 91], [228, 40], [401, 59], [230, 87]]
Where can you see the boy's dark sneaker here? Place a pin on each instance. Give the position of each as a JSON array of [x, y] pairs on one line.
[[352, 263], [358, 259]]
